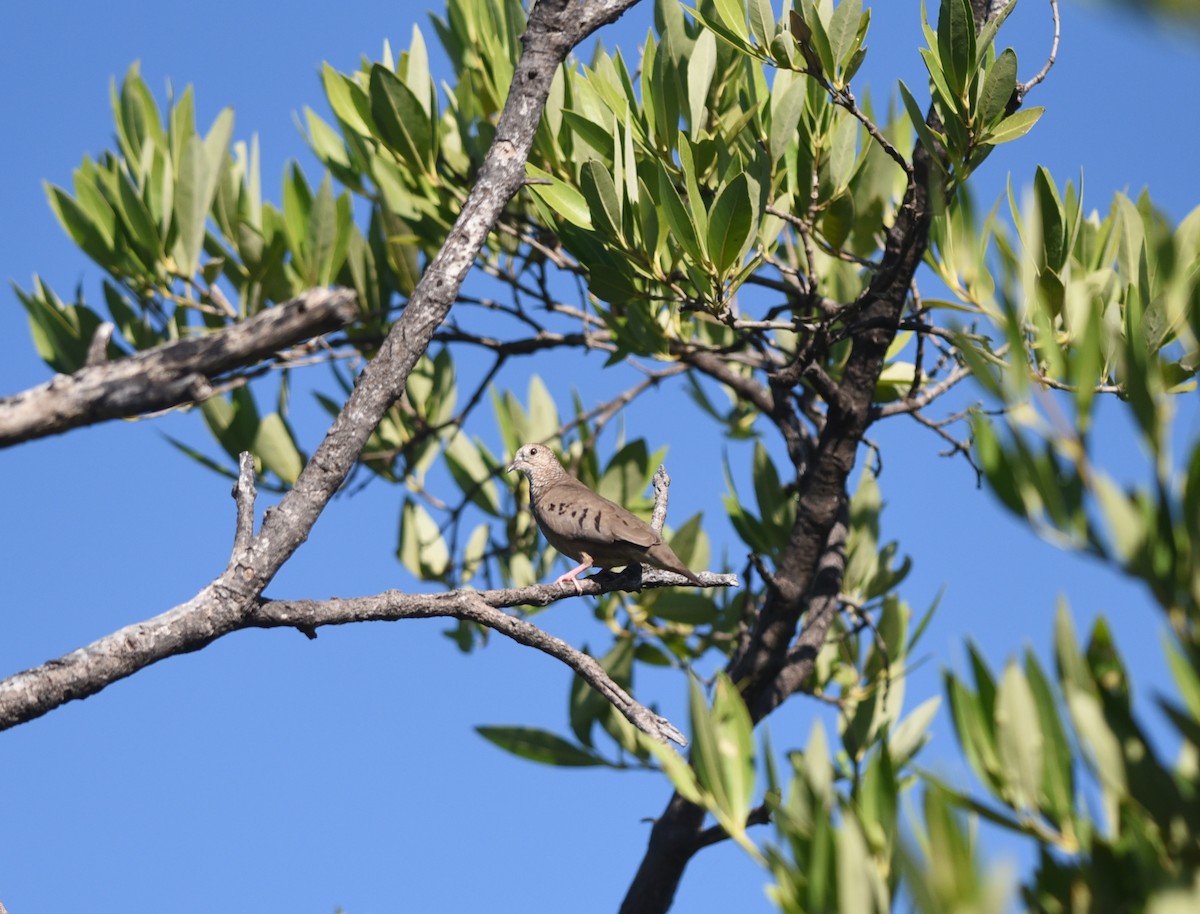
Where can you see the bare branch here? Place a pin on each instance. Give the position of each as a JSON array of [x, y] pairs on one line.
[[1023, 88], [167, 375], [97, 353], [244, 495], [923, 398]]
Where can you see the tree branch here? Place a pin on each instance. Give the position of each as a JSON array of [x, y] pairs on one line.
[[167, 375], [197, 623]]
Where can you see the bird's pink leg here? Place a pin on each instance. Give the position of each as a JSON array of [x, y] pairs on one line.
[[573, 574]]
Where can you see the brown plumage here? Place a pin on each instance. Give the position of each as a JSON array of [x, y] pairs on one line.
[[588, 527]]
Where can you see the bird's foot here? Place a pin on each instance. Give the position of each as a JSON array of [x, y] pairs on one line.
[[570, 579]]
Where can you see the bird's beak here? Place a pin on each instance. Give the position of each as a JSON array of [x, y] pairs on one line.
[[512, 466]]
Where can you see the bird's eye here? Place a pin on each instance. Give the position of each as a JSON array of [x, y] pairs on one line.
[[533, 452]]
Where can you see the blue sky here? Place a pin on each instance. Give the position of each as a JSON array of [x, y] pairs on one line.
[[268, 773]]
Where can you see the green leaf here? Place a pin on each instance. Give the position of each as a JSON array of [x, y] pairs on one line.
[[543, 412], [695, 201], [1126, 527], [61, 333], [682, 777], [1014, 126], [564, 200], [1058, 788], [685, 608], [974, 731], [475, 551], [1100, 744], [138, 220], [400, 119], [786, 108], [843, 30], [860, 889], [956, 43], [733, 15], [678, 218], [276, 447], [690, 544], [987, 32], [191, 207], [540, 746], [735, 745], [913, 732], [701, 65], [1019, 738], [347, 99], [422, 549], [322, 235], [997, 89], [762, 21], [216, 150], [819, 36], [729, 224], [326, 142], [471, 474], [706, 754], [94, 236], [1187, 681], [924, 134], [838, 222], [1053, 220], [604, 206], [297, 209], [842, 150]]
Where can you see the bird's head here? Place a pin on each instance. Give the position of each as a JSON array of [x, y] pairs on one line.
[[535, 460]]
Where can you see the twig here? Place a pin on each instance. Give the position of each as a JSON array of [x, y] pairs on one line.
[[1023, 88], [97, 353], [923, 398], [662, 482], [244, 495]]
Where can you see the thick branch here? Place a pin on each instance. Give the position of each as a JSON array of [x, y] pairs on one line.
[[171, 374]]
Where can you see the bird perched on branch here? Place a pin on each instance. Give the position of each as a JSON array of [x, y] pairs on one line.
[[588, 527]]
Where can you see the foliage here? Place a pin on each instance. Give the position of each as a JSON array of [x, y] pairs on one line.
[[723, 211]]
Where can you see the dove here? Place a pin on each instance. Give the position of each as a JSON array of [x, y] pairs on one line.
[[587, 527]]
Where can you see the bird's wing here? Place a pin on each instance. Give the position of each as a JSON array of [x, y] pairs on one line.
[[572, 513]]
